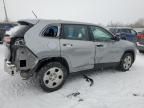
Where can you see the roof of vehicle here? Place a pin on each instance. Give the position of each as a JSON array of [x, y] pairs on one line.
[[35, 21], [119, 27]]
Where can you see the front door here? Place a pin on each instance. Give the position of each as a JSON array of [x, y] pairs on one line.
[[107, 49]]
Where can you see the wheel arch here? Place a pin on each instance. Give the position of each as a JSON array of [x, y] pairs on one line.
[[44, 61], [131, 52]]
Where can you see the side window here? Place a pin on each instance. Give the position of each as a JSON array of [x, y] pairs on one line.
[[100, 34], [75, 32], [119, 31], [133, 32], [113, 30], [125, 31], [50, 31]]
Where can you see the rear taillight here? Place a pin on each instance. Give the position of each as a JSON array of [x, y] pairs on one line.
[[140, 36], [7, 39]]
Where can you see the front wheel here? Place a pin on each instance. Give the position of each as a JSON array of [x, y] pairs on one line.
[[126, 62], [52, 76]]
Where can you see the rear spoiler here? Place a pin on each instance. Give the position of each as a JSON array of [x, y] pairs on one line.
[[28, 22]]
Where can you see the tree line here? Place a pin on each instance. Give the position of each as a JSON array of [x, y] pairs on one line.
[[137, 24]]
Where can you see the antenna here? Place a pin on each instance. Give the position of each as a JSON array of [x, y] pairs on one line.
[[6, 16], [34, 14]]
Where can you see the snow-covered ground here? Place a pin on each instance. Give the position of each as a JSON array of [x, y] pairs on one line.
[[111, 89]]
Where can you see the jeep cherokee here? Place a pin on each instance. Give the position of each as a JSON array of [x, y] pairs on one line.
[[52, 49]]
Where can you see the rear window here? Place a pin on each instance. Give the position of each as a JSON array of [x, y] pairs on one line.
[[113, 30]]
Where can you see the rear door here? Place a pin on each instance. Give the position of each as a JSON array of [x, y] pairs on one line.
[[76, 47]]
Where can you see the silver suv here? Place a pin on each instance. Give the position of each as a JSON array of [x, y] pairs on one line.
[[51, 49]]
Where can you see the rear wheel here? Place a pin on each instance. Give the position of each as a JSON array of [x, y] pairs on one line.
[[52, 76], [126, 62]]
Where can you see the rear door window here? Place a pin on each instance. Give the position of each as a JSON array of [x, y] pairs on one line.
[[75, 32]]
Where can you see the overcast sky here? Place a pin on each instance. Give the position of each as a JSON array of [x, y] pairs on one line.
[[95, 11]]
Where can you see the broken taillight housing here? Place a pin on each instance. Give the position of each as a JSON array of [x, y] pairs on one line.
[[140, 36]]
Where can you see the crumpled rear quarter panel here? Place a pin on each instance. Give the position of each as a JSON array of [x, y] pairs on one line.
[[41, 46]]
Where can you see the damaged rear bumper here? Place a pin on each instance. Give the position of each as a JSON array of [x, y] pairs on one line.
[[24, 61]]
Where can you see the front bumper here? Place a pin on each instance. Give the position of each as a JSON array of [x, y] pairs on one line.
[[9, 68]]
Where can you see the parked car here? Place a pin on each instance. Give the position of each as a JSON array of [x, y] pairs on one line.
[[125, 33], [5, 27], [52, 49], [140, 42]]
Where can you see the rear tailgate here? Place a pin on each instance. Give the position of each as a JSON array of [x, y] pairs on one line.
[[12, 39], [15, 33]]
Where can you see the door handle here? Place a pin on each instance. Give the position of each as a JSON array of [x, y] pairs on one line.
[[99, 45], [67, 45]]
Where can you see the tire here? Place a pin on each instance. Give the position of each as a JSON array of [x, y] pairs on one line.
[[126, 62], [52, 76]]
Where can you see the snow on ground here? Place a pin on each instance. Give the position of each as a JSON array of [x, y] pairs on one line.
[[111, 89]]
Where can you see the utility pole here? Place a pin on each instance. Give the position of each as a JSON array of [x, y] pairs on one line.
[[6, 16]]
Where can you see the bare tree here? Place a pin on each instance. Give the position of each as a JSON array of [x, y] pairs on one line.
[[139, 23]]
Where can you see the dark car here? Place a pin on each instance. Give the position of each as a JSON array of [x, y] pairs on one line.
[[125, 33], [5, 27], [140, 42]]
